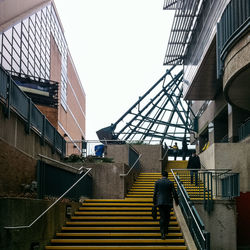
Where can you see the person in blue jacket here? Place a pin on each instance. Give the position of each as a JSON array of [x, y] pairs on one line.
[[99, 150]]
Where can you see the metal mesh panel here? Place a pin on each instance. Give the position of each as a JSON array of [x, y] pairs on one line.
[[49, 132], [181, 32], [36, 118], [58, 141], [170, 4], [3, 83], [19, 100]]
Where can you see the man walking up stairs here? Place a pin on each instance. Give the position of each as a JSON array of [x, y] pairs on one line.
[[122, 224], [164, 193]]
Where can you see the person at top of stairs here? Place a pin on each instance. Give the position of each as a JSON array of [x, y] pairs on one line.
[[184, 149], [194, 163], [175, 150], [164, 193]]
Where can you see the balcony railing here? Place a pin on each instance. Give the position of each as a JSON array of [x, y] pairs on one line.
[[244, 130], [234, 23], [16, 100]]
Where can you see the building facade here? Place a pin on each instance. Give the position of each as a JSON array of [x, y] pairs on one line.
[[211, 40], [34, 51]]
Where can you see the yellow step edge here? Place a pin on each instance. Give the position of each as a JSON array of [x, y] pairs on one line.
[[131, 223], [117, 204], [114, 218], [140, 229], [116, 247], [116, 234], [114, 200], [116, 208], [98, 241], [113, 213], [136, 195], [141, 190]]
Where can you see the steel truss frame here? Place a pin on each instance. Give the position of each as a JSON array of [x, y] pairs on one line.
[[159, 115]]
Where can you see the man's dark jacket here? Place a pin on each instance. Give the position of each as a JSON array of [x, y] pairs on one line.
[[164, 193], [194, 162]]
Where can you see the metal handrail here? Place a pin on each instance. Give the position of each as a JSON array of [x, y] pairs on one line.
[[132, 166], [188, 205], [33, 222], [80, 170], [164, 156]]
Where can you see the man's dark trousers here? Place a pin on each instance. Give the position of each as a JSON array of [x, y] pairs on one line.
[[164, 218]]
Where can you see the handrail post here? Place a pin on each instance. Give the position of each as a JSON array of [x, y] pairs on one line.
[[54, 141], [8, 97], [28, 124], [207, 241], [42, 140]]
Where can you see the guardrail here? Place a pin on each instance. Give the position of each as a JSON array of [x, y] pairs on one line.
[[244, 130], [16, 100], [211, 184], [64, 175], [87, 147], [234, 23], [196, 226]]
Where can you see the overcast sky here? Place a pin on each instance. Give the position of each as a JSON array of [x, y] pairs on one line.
[[118, 48]]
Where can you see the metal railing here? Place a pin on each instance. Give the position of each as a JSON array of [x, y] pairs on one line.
[[52, 205], [87, 147], [132, 167], [196, 226], [16, 100], [211, 183], [234, 23], [244, 130]]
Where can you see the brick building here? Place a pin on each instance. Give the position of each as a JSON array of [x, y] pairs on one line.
[[34, 51]]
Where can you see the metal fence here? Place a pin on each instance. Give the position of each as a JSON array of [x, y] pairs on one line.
[[209, 184], [16, 100], [53, 181]]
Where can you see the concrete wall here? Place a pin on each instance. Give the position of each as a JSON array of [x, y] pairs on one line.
[[233, 156], [150, 160], [18, 154], [16, 212], [107, 182], [151, 157], [221, 223], [119, 153]]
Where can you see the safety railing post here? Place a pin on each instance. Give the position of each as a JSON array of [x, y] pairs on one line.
[[42, 139], [28, 124], [207, 240], [8, 97], [54, 141]]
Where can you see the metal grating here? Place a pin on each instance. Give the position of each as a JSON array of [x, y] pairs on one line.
[[170, 4], [184, 23]]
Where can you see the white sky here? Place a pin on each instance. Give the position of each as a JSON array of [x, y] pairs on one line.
[[118, 49]]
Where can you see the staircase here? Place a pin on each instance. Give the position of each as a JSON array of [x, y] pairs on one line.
[[194, 192], [119, 223]]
